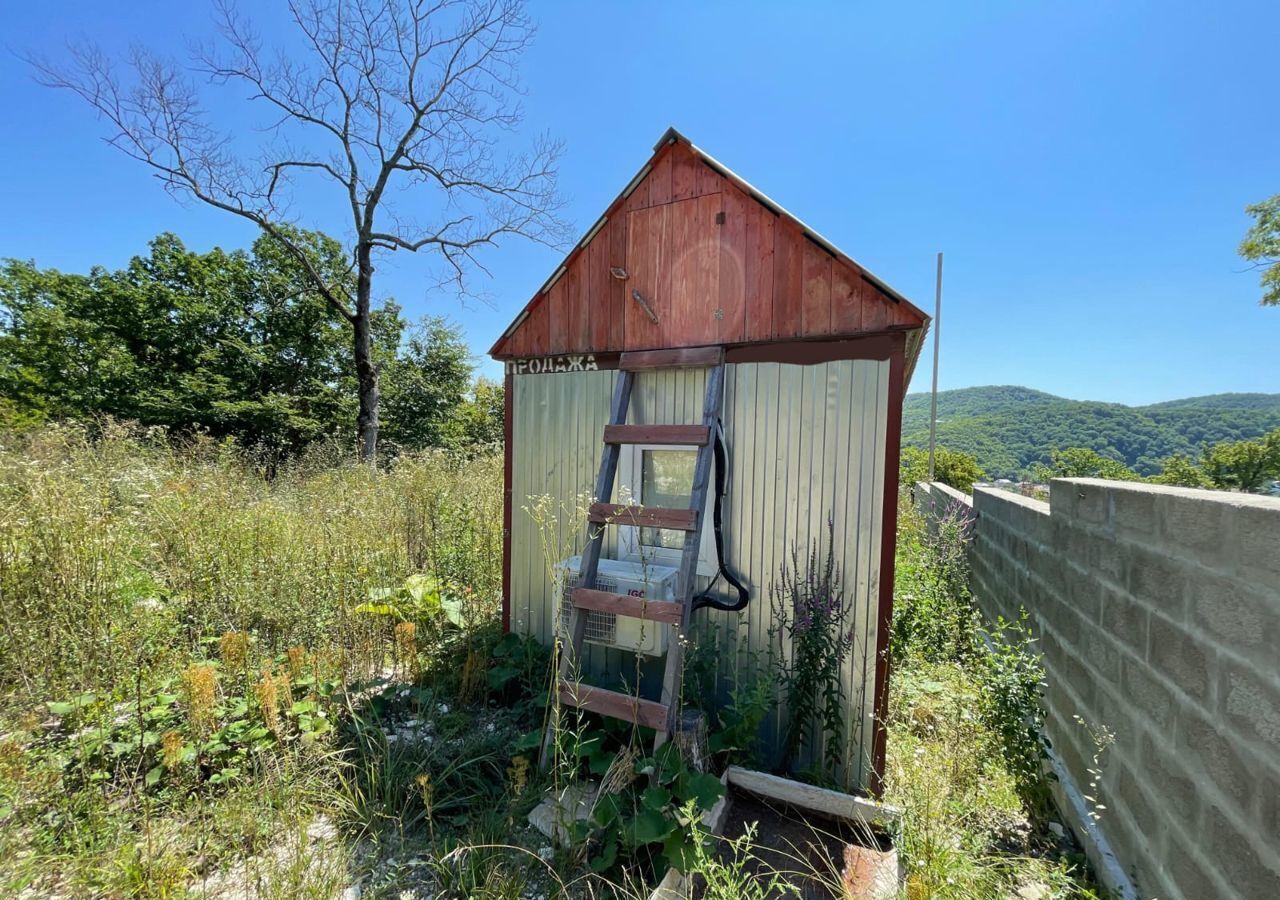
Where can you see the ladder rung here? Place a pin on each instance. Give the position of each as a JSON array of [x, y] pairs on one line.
[[648, 516], [636, 607], [613, 704], [657, 434], [678, 358]]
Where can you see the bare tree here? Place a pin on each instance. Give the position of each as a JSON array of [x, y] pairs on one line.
[[387, 95]]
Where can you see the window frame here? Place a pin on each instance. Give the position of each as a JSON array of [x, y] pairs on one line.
[[630, 472]]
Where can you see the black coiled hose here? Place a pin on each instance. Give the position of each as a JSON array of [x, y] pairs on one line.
[[706, 598]]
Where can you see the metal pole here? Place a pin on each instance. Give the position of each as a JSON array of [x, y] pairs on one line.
[[937, 333]]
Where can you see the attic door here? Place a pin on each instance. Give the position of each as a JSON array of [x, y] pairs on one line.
[[673, 259]]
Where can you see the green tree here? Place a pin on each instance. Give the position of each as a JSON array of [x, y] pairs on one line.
[[1244, 465], [1080, 462], [235, 344], [1180, 470], [426, 384], [478, 421], [1261, 246], [959, 470]]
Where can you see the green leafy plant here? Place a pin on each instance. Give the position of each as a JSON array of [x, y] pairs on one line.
[[419, 598], [1244, 465], [1081, 462], [960, 470], [1261, 246], [738, 735], [154, 738], [933, 614], [636, 817], [518, 670], [727, 874], [810, 608], [1010, 704]]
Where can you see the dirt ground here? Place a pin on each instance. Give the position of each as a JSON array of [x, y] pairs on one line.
[[808, 849]]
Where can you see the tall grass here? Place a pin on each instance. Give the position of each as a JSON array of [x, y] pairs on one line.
[[120, 553], [964, 746], [153, 593]]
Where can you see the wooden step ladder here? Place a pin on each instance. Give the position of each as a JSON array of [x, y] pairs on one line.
[[660, 716]]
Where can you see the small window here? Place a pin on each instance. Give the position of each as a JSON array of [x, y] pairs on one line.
[[661, 476]]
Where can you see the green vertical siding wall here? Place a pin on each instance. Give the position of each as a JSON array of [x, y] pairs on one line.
[[806, 443]]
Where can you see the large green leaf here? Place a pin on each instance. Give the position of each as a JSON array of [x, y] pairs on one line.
[[379, 609], [423, 590], [701, 788], [500, 676], [607, 811], [650, 826], [656, 798], [68, 707], [604, 860], [531, 740], [678, 849]]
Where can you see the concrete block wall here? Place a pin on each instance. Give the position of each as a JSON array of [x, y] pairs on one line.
[[1158, 616]]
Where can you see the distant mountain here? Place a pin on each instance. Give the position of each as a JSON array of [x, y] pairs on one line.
[[1009, 428]]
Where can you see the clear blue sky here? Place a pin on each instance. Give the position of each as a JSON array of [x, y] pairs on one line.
[[1084, 165]]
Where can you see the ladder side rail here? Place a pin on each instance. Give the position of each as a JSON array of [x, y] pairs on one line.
[[671, 680]]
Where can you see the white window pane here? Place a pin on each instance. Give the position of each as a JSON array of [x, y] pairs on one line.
[[666, 480]]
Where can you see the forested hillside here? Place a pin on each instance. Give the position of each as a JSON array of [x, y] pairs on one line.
[[1009, 428]]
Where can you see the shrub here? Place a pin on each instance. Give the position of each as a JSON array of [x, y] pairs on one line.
[[934, 615], [1010, 704], [951, 467]]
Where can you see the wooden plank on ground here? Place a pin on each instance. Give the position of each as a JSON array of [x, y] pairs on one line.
[[611, 703], [624, 605], [677, 358], [813, 799], [696, 435], [646, 516]]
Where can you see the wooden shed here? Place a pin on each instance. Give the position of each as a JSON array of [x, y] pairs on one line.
[[817, 353]]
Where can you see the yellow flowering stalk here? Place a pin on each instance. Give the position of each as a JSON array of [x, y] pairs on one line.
[[171, 749], [268, 693], [297, 661], [200, 681], [234, 647], [406, 640]]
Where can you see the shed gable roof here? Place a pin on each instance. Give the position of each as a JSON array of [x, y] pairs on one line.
[[714, 260]]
